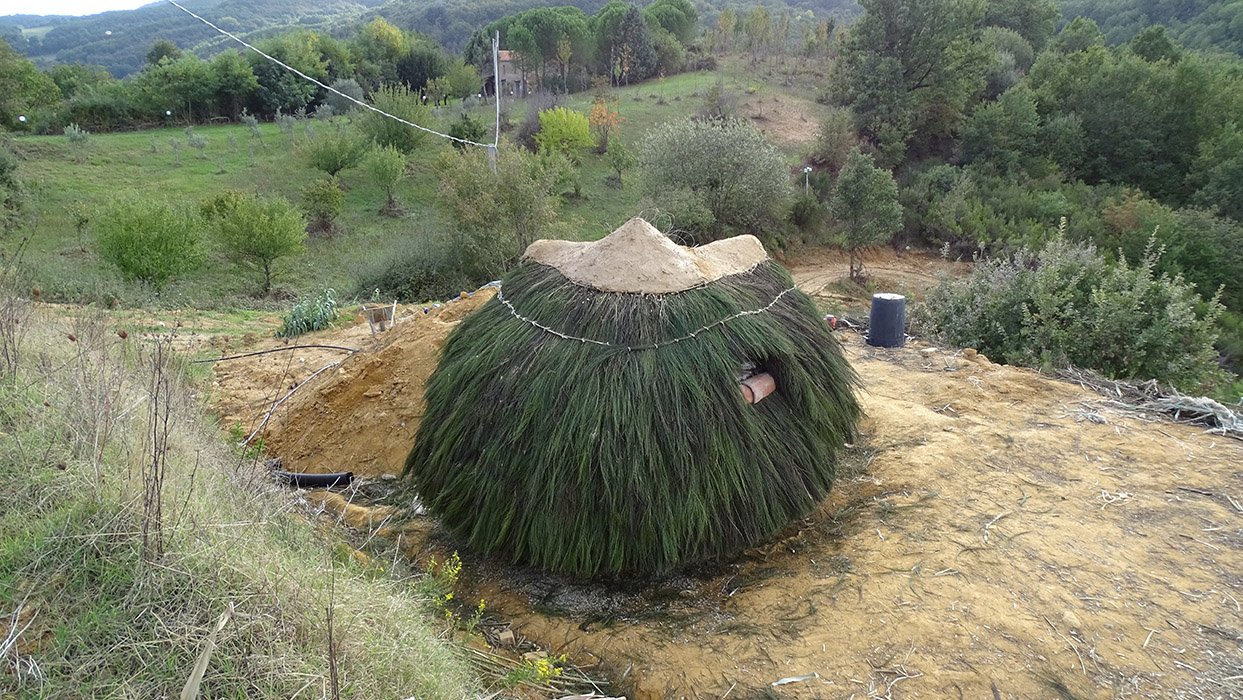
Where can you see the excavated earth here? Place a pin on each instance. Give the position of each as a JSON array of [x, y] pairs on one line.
[[994, 533]]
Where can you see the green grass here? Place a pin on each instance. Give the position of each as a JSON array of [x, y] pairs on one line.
[[61, 179]]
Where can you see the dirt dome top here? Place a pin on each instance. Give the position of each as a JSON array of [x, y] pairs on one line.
[[638, 258]]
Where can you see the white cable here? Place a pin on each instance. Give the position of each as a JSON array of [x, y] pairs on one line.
[[334, 91], [500, 295]]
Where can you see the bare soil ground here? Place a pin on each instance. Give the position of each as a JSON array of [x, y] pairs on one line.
[[994, 533]]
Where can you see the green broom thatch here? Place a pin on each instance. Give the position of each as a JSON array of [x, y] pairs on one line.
[[640, 455]]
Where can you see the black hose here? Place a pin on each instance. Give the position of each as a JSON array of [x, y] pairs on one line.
[[314, 481]]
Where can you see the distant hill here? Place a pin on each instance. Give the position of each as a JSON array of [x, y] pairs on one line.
[[1197, 24], [119, 40]]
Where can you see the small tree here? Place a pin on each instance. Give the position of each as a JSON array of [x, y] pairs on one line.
[[621, 159], [604, 120], [400, 102], [151, 242], [564, 131], [257, 232], [387, 166], [323, 200], [337, 151], [865, 200]]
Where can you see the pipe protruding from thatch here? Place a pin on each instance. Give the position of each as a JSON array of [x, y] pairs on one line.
[[590, 431], [757, 387]]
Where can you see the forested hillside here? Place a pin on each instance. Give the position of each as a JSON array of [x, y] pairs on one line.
[[1196, 24], [119, 40]]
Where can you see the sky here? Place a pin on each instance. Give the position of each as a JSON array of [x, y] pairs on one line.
[[66, 7]]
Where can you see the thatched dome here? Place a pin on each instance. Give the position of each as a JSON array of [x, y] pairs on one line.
[[589, 419]]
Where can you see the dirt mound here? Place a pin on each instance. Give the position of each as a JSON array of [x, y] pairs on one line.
[[360, 415]]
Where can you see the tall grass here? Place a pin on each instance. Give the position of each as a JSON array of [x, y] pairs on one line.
[[84, 614]]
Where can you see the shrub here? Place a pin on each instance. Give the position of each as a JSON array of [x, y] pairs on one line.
[[564, 131], [835, 139], [323, 200], [76, 134], [221, 204], [386, 167], [724, 167], [500, 213], [467, 128], [257, 232], [151, 242], [400, 102], [420, 267], [312, 314], [1066, 305], [620, 158], [336, 151], [348, 86]]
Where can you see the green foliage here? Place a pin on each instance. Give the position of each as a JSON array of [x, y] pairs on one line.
[[468, 128], [1217, 173], [420, 267], [323, 200], [501, 213], [386, 166], [336, 150], [542, 433], [865, 201], [1065, 305], [464, 80], [11, 190], [1200, 25], [311, 314], [23, 89], [564, 131], [398, 101], [715, 178], [835, 139], [256, 232], [621, 158], [677, 17], [1005, 135], [908, 70], [149, 241], [76, 134], [221, 204], [162, 50]]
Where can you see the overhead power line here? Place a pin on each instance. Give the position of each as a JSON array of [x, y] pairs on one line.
[[496, 78]]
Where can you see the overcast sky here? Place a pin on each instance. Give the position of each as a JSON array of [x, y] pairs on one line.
[[66, 7]]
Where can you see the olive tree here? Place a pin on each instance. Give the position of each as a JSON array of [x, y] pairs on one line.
[[716, 177], [387, 166], [256, 232], [865, 201]]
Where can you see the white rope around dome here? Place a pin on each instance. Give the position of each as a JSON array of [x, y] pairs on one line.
[[500, 296]]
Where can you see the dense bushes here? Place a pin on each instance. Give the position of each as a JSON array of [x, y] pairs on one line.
[[1067, 305], [151, 242], [715, 178]]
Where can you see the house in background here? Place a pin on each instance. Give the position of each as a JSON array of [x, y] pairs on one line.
[[513, 77]]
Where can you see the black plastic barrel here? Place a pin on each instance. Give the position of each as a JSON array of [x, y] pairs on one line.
[[887, 321]]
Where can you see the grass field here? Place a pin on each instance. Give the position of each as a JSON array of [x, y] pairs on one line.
[[68, 182]]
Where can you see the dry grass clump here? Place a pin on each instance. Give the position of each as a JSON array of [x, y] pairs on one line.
[[128, 530]]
